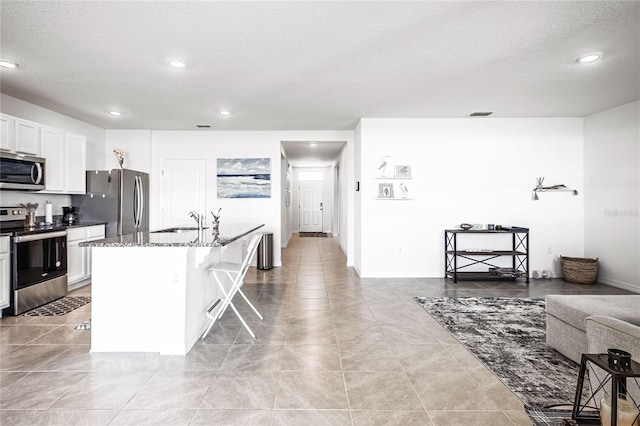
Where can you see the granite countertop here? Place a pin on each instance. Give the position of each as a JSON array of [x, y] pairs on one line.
[[229, 233], [81, 224]]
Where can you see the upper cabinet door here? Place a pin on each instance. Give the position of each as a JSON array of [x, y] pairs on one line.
[[53, 151], [75, 154], [6, 133], [27, 137]]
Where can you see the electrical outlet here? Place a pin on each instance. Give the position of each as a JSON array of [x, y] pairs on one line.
[[550, 251]]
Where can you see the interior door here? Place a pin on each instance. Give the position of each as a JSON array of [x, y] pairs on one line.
[[311, 206], [183, 190]]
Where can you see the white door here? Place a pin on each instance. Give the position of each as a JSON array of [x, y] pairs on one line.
[[183, 190], [311, 206]]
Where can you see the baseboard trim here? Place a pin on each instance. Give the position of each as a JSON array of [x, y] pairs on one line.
[[619, 284]]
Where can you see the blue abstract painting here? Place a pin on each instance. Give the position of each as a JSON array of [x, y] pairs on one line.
[[244, 177]]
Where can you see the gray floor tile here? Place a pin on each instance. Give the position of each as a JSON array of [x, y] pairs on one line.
[[311, 390], [74, 417], [311, 417], [181, 389], [232, 417], [242, 389], [391, 418], [381, 391], [153, 417]]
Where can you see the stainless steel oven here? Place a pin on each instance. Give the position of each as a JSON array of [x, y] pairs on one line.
[[38, 261], [40, 268]]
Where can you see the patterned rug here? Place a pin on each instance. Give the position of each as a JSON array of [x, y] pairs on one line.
[[59, 307], [313, 234], [508, 336]]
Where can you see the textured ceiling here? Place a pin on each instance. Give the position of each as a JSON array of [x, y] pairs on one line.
[[317, 65]]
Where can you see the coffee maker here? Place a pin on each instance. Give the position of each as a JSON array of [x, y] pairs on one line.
[[69, 215]]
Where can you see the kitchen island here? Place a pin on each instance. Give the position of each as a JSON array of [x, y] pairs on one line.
[[151, 290]]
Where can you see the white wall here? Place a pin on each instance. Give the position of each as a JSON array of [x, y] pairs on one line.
[[95, 148], [612, 194], [137, 154], [468, 170], [357, 199]]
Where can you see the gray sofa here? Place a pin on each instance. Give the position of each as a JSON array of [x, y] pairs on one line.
[[578, 324]]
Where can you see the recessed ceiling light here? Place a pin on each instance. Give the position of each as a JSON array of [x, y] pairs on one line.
[[7, 64], [224, 113], [586, 59], [177, 63], [115, 113], [313, 144]]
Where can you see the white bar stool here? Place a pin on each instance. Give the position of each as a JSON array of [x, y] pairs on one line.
[[235, 272]]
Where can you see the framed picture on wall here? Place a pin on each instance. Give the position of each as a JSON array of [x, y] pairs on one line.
[[385, 190], [403, 171], [244, 178]]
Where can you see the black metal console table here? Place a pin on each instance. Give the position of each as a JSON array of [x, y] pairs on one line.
[[519, 256]]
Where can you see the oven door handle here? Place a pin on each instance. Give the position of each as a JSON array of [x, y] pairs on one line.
[[36, 237]]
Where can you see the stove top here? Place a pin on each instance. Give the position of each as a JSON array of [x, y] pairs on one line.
[[12, 221]]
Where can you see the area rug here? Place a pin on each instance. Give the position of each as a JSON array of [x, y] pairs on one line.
[[59, 307], [508, 336], [313, 234]]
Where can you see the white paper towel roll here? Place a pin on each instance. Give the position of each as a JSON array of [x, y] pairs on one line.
[[48, 213]]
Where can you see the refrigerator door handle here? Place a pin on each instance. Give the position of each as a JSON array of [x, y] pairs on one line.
[[135, 202], [141, 199]]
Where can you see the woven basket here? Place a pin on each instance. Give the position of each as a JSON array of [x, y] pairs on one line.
[[579, 270]]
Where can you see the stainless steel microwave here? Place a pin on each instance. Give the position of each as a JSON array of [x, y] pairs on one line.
[[21, 172]]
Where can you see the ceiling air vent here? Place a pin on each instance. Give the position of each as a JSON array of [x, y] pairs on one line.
[[203, 126], [480, 114]]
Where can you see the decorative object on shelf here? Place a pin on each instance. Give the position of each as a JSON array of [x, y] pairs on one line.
[[120, 156], [385, 190], [466, 226], [384, 162], [554, 188], [579, 270], [404, 189], [215, 224], [403, 172], [244, 178], [619, 358]]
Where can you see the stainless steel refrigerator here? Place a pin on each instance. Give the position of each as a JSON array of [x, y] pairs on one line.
[[119, 197]]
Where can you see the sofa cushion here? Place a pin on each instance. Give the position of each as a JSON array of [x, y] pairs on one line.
[[573, 309]]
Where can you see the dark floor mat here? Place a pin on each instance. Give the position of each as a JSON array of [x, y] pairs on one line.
[[59, 307]]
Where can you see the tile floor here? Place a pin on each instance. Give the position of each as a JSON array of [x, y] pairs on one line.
[[334, 350]]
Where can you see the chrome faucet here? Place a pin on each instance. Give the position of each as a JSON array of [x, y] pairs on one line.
[[198, 218]]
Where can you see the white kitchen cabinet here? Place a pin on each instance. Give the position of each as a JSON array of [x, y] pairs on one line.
[[75, 152], [5, 273], [52, 141], [27, 137], [7, 141], [65, 169], [79, 258]]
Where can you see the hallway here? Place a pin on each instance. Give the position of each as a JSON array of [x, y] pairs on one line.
[[334, 349]]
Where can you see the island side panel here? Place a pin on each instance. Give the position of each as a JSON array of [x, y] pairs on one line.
[[138, 299]]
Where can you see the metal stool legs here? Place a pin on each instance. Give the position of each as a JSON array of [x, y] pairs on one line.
[[235, 272]]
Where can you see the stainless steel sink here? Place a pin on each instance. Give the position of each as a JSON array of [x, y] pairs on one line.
[[178, 229]]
